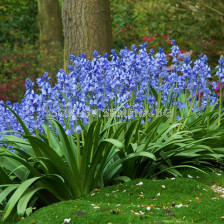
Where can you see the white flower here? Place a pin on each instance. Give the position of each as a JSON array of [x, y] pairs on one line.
[[148, 208], [189, 176], [67, 220]]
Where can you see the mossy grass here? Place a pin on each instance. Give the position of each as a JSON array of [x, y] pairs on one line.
[[180, 200]]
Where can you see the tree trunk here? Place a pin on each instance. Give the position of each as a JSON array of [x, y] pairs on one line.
[[50, 22], [87, 27]]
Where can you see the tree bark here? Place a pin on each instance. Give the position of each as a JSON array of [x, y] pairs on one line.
[[50, 22], [87, 27]]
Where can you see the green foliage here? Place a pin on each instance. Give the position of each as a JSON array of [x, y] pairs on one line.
[[18, 21], [193, 24], [130, 20], [54, 167], [20, 52]]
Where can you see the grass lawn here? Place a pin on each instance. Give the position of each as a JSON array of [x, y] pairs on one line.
[[182, 200]]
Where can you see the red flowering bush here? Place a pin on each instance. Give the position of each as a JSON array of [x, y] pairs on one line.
[[193, 24], [22, 61]]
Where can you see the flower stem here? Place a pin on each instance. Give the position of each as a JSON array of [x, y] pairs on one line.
[[192, 104], [220, 105], [207, 109], [159, 95], [78, 151]]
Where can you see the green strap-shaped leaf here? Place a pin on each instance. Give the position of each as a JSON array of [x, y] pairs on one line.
[[130, 156], [71, 178], [124, 179], [154, 93], [70, 152], [16, 196], [4, 179], [25, 199], [7, 191], [115, 142], [26, 130]]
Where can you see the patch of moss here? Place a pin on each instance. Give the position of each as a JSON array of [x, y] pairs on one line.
[[182, 200]]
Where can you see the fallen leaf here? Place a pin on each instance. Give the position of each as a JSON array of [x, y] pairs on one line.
[[105, 210], [116, 211], [95, 190], [67, 220], [133, 211], [140, 183], [169, 212], [80, 213], [179, 206], [147, 206]]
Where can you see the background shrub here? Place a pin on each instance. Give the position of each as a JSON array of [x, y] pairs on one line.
[[196, 26]]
